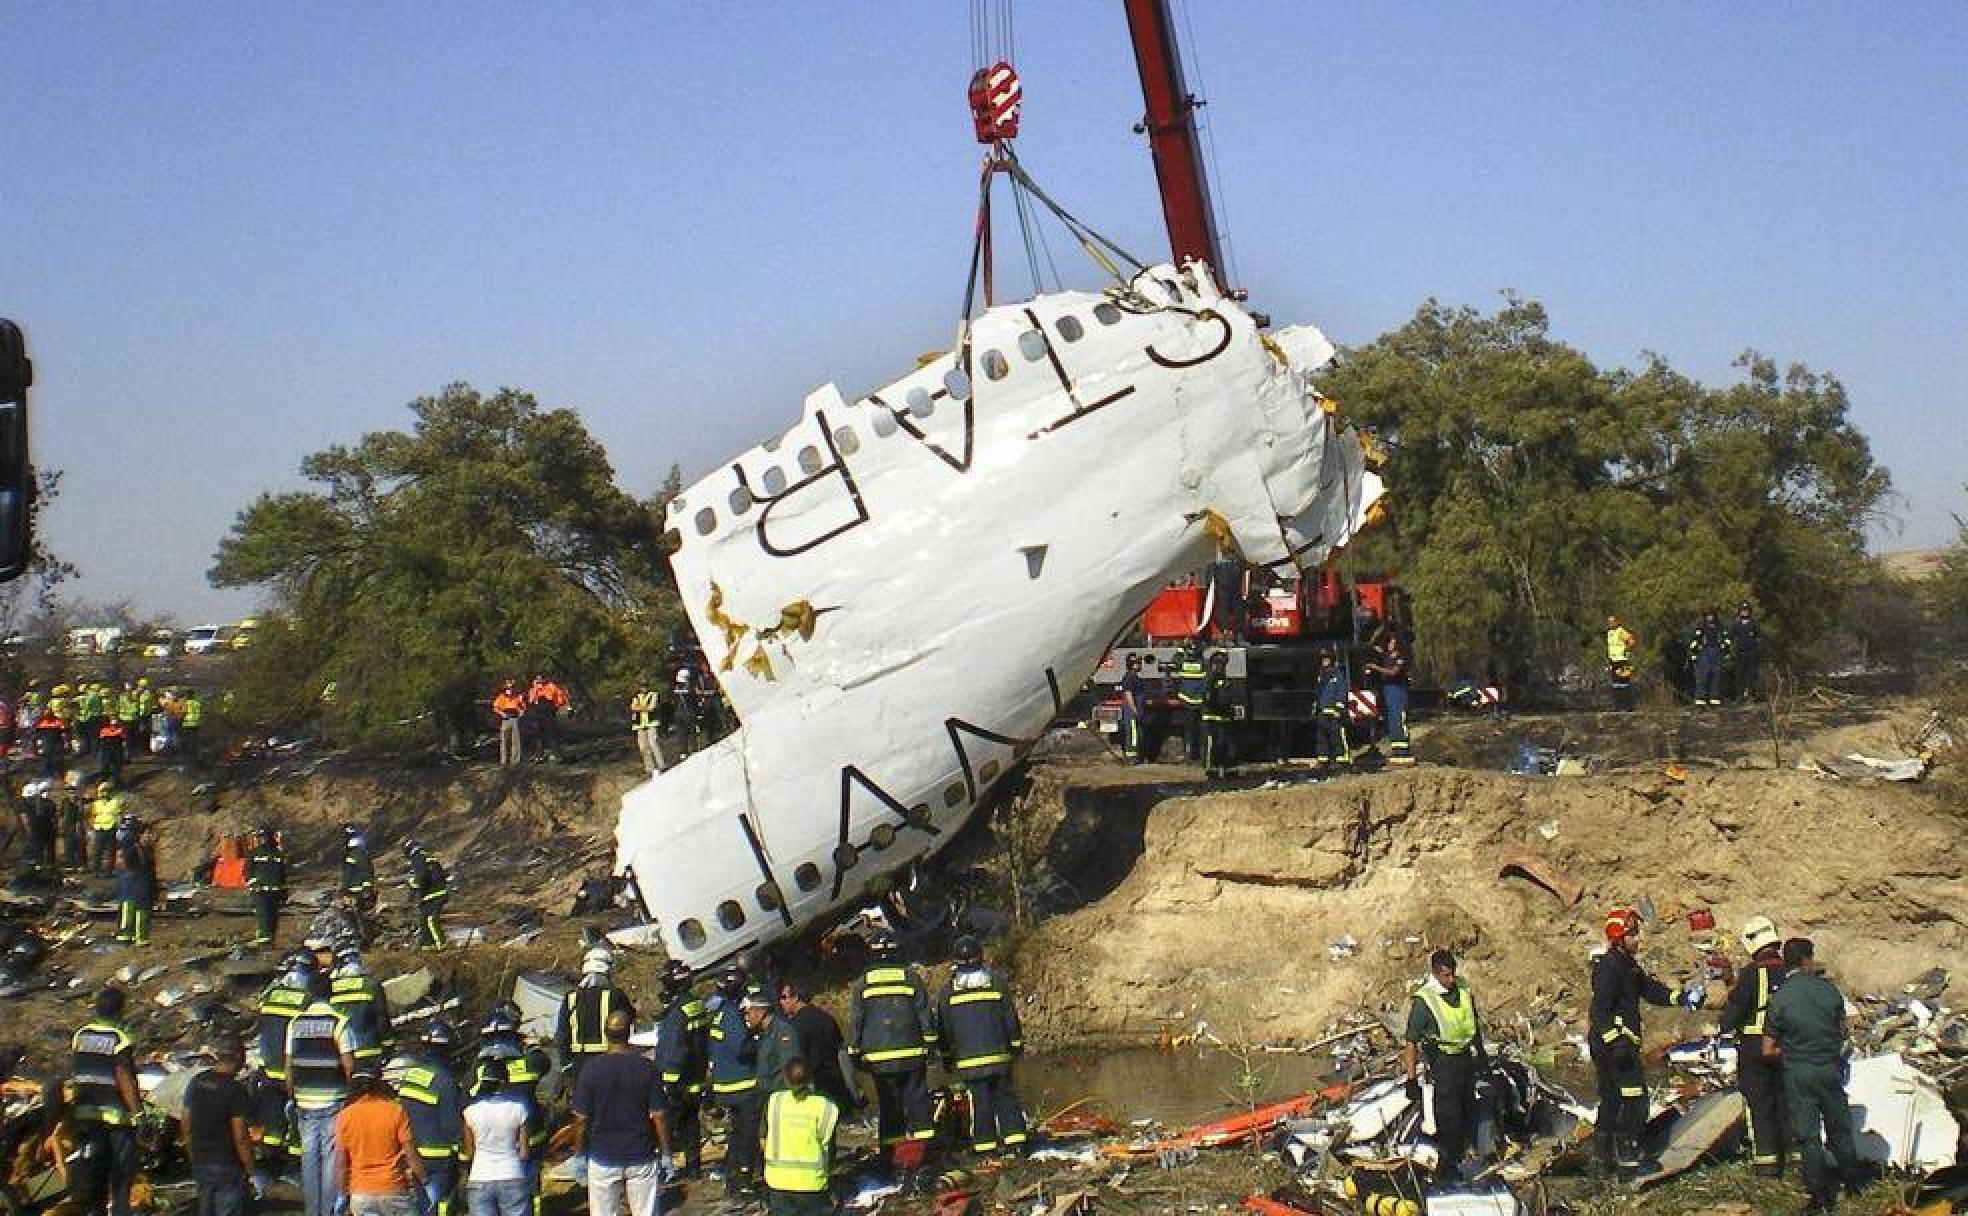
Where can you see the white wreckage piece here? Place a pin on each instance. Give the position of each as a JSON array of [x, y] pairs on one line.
[[899, 593]]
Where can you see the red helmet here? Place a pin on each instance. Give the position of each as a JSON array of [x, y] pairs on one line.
[[1621, 923]]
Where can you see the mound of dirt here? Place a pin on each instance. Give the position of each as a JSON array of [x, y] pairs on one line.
[[1219, 907]]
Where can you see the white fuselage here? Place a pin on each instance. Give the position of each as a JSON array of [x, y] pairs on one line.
[[899, 591]]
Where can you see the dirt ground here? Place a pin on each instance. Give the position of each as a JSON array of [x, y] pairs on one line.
[[1140, 906]]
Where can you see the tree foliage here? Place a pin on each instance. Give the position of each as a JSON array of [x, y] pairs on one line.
[[491, 539], [1947, 595], [1534, 492]]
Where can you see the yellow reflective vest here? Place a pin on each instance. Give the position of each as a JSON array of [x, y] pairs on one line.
[[798, 1135], [1455, 1025]]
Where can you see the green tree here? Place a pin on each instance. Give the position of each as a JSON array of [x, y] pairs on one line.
[[1534, 492], [491, 539], [1947, 594]]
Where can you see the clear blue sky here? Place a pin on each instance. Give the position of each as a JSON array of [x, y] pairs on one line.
[[239, 233]]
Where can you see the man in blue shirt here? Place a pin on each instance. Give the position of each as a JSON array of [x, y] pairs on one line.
[[619, 1111]]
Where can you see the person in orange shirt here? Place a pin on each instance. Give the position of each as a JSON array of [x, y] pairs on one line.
[[508, 707], [378, 1156], [545, 699]]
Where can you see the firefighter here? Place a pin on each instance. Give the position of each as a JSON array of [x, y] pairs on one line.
[[889, 1036], [320, 1064], [358, 878], [1620, 644], [266, 878], [1443, 1029], [1219, 697], [112, 748], [734, 1083], [107, 1100], [1191, 678], [280, 1003], [1746, 640], [687, 706], [191, 717], [681, 1052], [1131, 700], [138, 876], [1708, 653], [430, 888], [50, 742], [435, 1104], [582, 1028], [356, 995], [1329, 722], [977, 1027], [1759, 1063], [1389, 661], [1619, 984]]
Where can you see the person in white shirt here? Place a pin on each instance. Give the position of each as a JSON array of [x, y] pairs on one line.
[[495, 1140]]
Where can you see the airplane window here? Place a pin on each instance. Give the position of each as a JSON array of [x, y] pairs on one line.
[[691, 934], [953, 793], [767, 896], [1106, 313], [918, 815], [919, 403], [1032, 345], [730, 915], [845, 855], [994, 365], [883, 836], [809, 459], [884, 423], [741, 500], [806, 876], [988, 772], [956, 383], [706, 520], [847, 441], [1070, 329]]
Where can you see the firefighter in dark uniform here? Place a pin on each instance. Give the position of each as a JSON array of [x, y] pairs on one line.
[[1443, 1030], [1746, 640], [582, 1029], [266, 878], [526, 1066], [430, 887], [1708, 652], [1191, 677], [282, 1001], [435, 1104], [1619, 984], [1219, 697], [1759, 1066], [977, 1027], [1330, 723], [138, 876], [358, 878], [1389, 661], [1131, 707], [889, 1036], [1807, 1017], [356, 995], [682, 1041], [107, 1100], [733, 1055]]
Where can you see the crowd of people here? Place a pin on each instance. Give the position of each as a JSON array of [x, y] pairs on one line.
[[97, 722], [381, 1117], [1721, 660]]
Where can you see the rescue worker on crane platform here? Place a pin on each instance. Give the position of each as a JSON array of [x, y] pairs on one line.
[[1619, 984], [1759, 1062], [1190, 679], [1218, 701]]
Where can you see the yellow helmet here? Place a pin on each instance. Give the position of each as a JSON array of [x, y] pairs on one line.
[[60, 690], [143, 681]]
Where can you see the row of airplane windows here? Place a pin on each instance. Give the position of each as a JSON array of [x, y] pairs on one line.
[[730, 914], [919, 403]]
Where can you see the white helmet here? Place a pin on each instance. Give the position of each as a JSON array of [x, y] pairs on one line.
[[599, 960], [1758, 932]]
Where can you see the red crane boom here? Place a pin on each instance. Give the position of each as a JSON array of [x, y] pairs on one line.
[[1170, 123]]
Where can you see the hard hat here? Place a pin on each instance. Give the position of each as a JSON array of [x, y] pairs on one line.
[[508, 1010], [967, 950], [413, 847], [267, 831], [1758, 932], [754, 999], [350, 966], [1621, 923], [731, 979], [882, 942], [598, 961], [502, 1048], [439, 1034], [61, 690], [676, 975], [499, 1022]]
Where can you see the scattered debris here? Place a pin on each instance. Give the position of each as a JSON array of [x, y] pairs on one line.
[[1522, 861]]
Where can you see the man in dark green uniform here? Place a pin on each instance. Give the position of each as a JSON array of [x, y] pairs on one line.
[[1807, 1018]]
